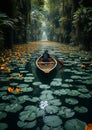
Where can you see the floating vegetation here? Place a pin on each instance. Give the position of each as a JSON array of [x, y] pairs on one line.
[[2, 115], [75, 124], [27, 115], [47, 92], [26, 125], [67, 70], [51, 109], [46, 97], [4, 79], [15, 107], [36, 102], [56, 83], [66, 112], [71, 101], [29, 74], [13, 84], [2, 106], [36, 83], [31, 108], [27, 89], [34, 99], [66, 85], [40, 112], [3, 126], [84, 90], [9, 97], [45, 127], [85, 95], [3, 94], [60, 92], [23, 85], [24, 98], [73, 93], [81, 109], [75, 77], [69, 80], [44, 86], [52, 121], [55, 102]]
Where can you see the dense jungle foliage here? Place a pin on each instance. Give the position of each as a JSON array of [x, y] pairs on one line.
[[67, 21]]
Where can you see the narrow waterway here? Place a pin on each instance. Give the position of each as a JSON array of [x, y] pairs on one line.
[[45, 102]]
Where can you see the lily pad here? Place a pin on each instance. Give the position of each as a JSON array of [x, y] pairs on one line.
[[23, 85], [56, 83], [2, 106], [75, 124], [3, 126], [3, 94], [73, 93], [47, 92], [81, 109], [71, 101], [36, 83], [27, 89], [34, 99], [55, 102], [13, 107], [22, 99], [66, 112], [13, 84], [26, 125], [53, 121], [84, 90], [2, 115], [51, 109], [45, 127], [44, 86], [60, 92], [40, 113], [47, 97], [27, 116], [85, 95]]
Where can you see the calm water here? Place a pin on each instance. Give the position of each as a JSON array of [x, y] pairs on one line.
[[72, 81]]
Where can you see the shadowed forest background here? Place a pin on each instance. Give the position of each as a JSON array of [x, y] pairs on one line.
[[67, 21]]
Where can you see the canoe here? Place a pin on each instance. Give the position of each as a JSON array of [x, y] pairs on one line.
[[46, 67]]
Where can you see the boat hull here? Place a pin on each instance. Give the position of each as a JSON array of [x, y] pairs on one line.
[[46, 67]]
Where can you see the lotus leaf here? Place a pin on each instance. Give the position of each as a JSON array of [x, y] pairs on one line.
[[81, 109], [3, 126], [26, 125], [75, 124], [52, 121], [13, 107], [66, 112], [2, 115], [51, 109]]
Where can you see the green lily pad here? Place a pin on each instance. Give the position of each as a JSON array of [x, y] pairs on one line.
[[75, 124], [3, 126], [26, 125], [81, 109], [71, 101], [2, 115], [53, 121], [66, 112]]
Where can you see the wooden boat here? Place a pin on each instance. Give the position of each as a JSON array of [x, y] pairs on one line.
[[46, 67]]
